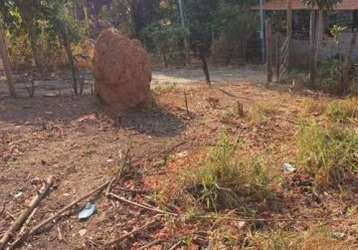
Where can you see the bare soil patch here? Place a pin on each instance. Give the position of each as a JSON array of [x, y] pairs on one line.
[[79, 143]]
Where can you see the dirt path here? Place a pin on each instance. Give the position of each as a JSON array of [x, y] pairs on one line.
[[252, 73], [62, 85]]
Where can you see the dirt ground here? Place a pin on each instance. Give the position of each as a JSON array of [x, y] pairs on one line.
[[82, 145]]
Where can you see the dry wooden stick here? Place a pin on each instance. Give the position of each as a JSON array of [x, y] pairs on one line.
[[69, 206], [133, 203], [135, 191], [109, 187], [27, 222], [26, 213], [176, 245], [186, 104], [125, 236], [150, 244]]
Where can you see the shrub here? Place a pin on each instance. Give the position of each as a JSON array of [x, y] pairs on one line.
[[331, 77], [343, 111], [327, 154], [221, 179], [162, 88]]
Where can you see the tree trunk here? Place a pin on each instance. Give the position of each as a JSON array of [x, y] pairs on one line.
[[269, 59], [67, 45], [27, 12], [346, 81], [318, 40], [289, 32], [33, 41], [205, 67], [6, 62], [312, 45]]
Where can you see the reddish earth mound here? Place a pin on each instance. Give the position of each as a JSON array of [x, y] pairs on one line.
[[122, 71]]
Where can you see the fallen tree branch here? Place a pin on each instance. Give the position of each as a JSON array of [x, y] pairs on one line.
[[135, 231], [133, 203], [23, 230], [26, 213], [60, 212]]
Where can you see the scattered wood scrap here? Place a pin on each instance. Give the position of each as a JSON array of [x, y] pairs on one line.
[[58, 214], [18, 223]]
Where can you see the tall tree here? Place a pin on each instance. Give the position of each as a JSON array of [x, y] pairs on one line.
[[6, 62], [28, 10], [201, 18], [323, 6]]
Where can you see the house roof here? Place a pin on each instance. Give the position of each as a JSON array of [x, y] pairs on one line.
[[299, 5]]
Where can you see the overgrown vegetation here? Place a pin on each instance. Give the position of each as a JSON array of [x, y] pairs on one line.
[[226, 176], [330, 154], [343, 111], [163, 88]]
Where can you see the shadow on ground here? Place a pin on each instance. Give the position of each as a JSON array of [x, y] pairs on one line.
[[67, 109], [158, 122]]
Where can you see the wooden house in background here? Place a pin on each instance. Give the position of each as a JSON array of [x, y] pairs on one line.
[[343, 14]]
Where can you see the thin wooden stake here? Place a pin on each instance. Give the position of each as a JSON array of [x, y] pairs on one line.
[[26, 213], [269, 61], [133, 203], [150, 244], [186, 104]]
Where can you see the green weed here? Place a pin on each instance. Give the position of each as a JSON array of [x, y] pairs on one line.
[[222, 178], [162, 88], [327, 154], [343, 111]]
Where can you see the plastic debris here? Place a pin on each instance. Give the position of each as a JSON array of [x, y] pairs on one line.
[[88, 211], [18, 194], [288, 168]]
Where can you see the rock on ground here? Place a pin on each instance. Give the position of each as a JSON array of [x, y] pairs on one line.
[[122, 70]]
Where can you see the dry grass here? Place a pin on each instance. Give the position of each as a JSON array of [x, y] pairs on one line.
[[260, 113], [318, 238]]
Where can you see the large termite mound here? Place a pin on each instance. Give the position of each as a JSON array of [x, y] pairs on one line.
[[122, 71]]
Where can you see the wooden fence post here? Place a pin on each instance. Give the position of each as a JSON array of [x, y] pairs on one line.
[[269, 58]]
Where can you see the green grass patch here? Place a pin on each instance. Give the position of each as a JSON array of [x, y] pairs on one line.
[[222, 178], [162, 88], [344, 111], [327, 154]]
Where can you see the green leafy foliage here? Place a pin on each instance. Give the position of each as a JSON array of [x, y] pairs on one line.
[[330, 76], [202, 24], [166, 40]]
